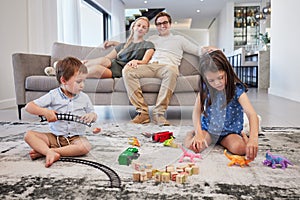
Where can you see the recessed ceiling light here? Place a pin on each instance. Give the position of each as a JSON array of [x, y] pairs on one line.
[[145, 1], [198, 11]]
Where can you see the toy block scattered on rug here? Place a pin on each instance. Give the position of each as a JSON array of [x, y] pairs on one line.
[[144, 172]]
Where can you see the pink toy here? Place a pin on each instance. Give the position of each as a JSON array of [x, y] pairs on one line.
[[189, 154]]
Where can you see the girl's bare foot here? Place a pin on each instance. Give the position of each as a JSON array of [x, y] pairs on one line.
[[34, 155], [51, 157]]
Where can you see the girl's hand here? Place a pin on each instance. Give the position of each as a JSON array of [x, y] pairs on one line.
[[198, 142], [89, 117], [251, 148]]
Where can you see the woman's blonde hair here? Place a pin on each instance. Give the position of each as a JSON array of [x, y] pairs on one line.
[[130, 38]]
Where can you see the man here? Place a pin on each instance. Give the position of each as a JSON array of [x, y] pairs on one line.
[[164, 64]]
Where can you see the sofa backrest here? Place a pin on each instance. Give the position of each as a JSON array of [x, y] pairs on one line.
[[62, 50], [189, 63]]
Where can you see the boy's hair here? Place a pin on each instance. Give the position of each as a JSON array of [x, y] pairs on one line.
[[216, 61], [162, 14], [68, 67]]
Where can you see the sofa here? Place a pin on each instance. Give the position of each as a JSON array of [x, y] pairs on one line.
[[31, 81]]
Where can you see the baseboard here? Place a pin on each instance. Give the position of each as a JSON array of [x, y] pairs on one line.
[[7, 103]]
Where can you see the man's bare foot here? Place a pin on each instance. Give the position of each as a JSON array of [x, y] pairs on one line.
[[51, 157], [34, 155]]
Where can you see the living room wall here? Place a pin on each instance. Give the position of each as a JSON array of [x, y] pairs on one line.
[[30, 26], [285, 43]]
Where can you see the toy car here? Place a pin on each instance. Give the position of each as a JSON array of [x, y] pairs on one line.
[[128, 155], [162, 136]]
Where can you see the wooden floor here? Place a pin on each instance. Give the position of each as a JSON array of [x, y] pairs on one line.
[[275, 111]]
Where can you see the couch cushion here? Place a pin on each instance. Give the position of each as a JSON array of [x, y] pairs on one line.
[[189, 65], [62, 50], [41, 83], [46, 83], [184, 84]]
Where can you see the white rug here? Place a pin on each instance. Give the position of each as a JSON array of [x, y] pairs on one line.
[[22, 178]]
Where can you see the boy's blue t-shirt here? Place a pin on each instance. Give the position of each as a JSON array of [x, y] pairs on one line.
[[78, 105], [222, 120]]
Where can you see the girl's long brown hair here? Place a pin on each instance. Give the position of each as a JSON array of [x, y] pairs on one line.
[[214, 62]]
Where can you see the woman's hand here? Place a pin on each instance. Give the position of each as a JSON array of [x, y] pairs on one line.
[[133, 63]]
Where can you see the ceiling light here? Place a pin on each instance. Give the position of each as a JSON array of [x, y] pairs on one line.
[[145, 1], [198, 11]]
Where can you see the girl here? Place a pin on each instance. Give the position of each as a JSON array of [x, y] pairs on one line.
[[220, 104], [135, 51]]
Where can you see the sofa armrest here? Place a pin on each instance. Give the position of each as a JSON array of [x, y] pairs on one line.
[[25, 65]]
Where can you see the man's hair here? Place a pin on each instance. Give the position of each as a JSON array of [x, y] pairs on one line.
[[68, 67], [162, 14]]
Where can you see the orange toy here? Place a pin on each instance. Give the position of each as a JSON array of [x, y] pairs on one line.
[[236, 160], [134, 142]]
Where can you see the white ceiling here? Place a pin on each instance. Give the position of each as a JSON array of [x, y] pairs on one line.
[[184, 12]]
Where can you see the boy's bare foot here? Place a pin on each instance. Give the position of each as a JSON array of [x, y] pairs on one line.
[[34, 155], [51, 157]]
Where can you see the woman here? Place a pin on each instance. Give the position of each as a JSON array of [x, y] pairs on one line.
[[135, 51]]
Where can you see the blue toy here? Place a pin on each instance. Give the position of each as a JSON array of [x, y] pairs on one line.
[[274, 160]]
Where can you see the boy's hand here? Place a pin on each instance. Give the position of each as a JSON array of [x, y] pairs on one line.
[[89, 117], [50, 115]]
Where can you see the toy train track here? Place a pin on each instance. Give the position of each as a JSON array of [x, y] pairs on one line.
[[115, 181], [68, 117]]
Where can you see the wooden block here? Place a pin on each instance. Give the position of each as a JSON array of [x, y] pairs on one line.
[[136, 176], [173, 175], [143, 176], [157, 177], [149, 173], [189, 171], [180, 178], [154, 171], [191, 164], [170, 169], [195, 169], [165, 177], [148, 166]]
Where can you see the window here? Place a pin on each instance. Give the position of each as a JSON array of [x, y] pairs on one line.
[[82, 22], [94, 24]]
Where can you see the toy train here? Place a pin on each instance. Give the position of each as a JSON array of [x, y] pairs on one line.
[[162, 136]]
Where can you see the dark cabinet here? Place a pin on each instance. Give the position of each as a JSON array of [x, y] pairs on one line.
[[246, 27]]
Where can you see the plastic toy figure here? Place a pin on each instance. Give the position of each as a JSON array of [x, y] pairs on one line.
[[134, 142], [128, 155], [170, 142], [273, 160], [188, 154], [162, 136], [237, 160]]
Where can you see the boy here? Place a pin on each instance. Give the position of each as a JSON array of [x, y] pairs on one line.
[[66, 137]]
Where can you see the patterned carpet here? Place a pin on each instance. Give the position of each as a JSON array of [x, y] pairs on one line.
[[22, 178]]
